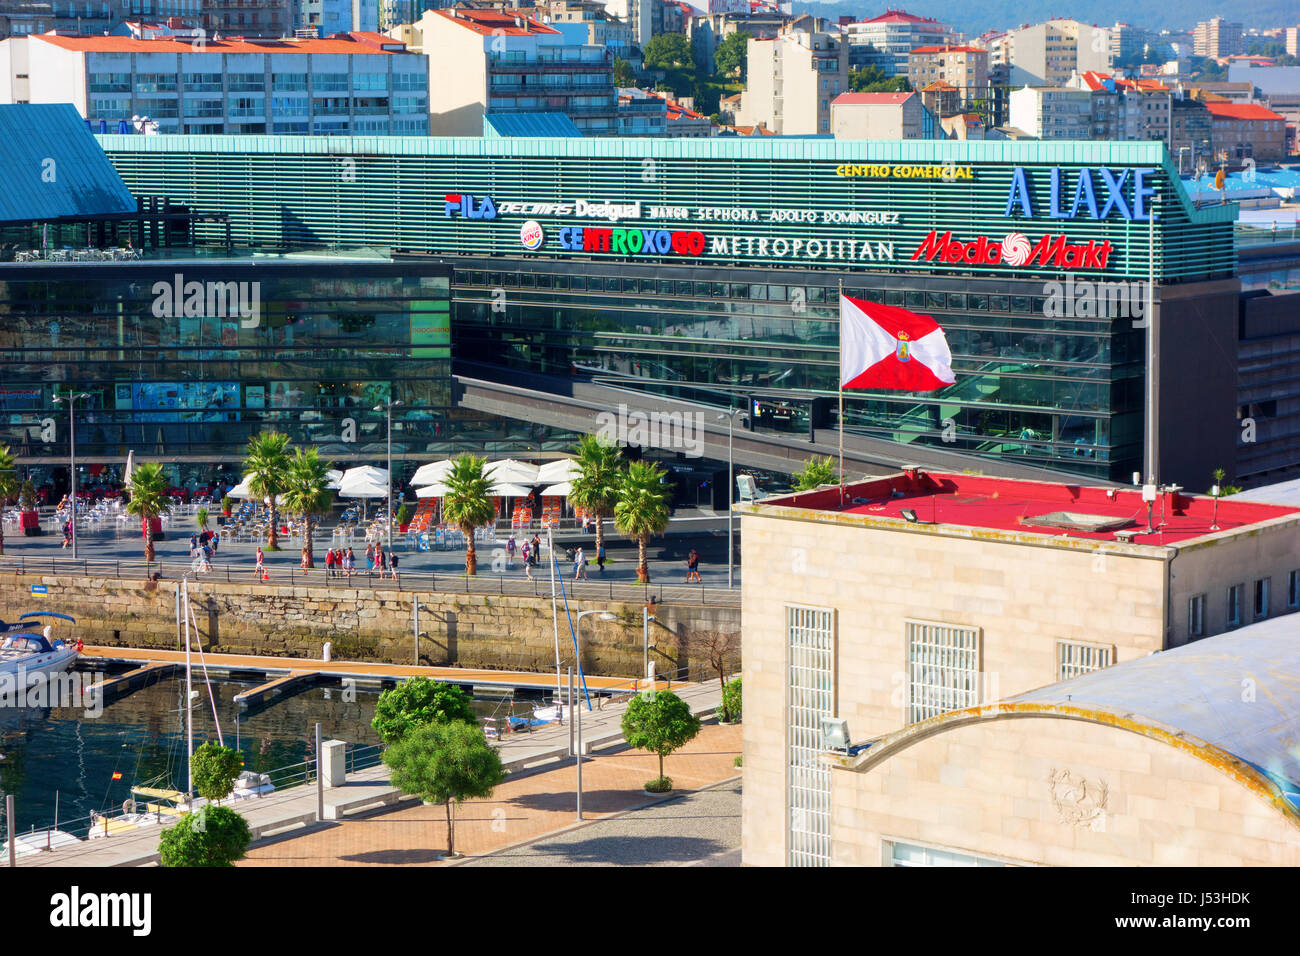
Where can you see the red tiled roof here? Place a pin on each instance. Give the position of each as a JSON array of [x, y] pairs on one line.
[[1007, 504], [870, 99], [495, 23], [1246, 111], [899, 16], [938, 86], [946, 49], [339, 43]]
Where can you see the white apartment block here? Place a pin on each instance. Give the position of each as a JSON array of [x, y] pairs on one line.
[[1216, 37], [886, 40], [1047, 54], [1052, 112], [487, 61], [965, 67], [351, 84], [792, 80]]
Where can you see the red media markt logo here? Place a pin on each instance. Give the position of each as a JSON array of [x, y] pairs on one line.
[[1014, 250]]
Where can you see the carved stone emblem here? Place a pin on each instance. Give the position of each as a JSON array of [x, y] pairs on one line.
[[1079, 802]]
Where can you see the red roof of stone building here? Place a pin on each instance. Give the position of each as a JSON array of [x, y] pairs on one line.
[[1243, 111], [899, 16]]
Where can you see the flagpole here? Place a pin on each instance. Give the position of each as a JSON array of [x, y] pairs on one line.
[[841, 384]]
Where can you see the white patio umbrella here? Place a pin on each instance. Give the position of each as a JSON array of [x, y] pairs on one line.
[[508, 469], [333, 477], [130, 467], [433, 472], [241, 490], [431, 491], [507, 490], [562, 469], [364, 482], [563, 489]]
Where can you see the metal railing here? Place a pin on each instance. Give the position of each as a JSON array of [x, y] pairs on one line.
[[423, 581]]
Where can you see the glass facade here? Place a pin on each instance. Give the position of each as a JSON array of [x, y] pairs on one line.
[[185, 359]]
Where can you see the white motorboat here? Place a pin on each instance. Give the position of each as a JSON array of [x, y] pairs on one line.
[[547, 714], [168, 806], [26, 651], [39, 841], [250, 784]]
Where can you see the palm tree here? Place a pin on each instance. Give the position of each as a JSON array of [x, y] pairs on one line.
[[8, 486], [642, 509], [266, 463], [595, 488], [307, 493], [149, 500], [467, 503]]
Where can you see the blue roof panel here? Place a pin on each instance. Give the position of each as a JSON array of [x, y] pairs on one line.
[[53, 168], [529, 124]]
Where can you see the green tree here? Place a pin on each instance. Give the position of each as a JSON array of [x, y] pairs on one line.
[[266, 465], [201, 518], [467, 503], [418, 701], [642, 509], [8, 486], [149, 499], [623, 73], [731, 700], [215, 769], [816, 472], [307, 494], [731, 56], [596, 486], [660, 722], [445, 763], [211, 836], [872, 79], [670, 54]]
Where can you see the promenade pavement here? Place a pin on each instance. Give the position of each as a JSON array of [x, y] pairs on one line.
[[542, 803]]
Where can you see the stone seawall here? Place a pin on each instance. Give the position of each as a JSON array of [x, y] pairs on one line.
[[364, 624]]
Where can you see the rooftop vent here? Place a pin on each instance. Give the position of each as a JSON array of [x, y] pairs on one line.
[[1077, 521]]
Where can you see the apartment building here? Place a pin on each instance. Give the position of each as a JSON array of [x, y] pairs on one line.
[[1047, 54], [883, 116], [351, 84], [489, 62], [1291, 37], [707, 30], [885, 41], [328, 17], [1217, 37], [248, 18], [1127, 42], [793, 78], [1048, 112], [87, 17], [964, 67], [602, 28], [1191, 133]]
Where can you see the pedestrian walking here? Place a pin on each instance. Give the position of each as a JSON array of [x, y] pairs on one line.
[[349, 563], [382, 555], [194, 544], [537, 551], [370, 557], [392, 563], [600, 558], [329, 563], [304, 564], [260, 570], [511, 547], [693, 567], [216, 539], [579, 563], [528, 559], [67, 534], [207, 559]]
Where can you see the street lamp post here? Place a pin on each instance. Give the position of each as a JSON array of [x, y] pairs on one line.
[[731, 417], [575, 721], [388, 407], [72, 457], [605, 615]]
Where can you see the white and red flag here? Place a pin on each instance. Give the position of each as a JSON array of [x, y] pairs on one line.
[[885, 347]]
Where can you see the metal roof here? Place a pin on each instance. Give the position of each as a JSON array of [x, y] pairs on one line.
[[1279, 493], [1238, 691], [529, 124], [53, 168]]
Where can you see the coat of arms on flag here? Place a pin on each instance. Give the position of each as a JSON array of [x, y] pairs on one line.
[[885, 347]]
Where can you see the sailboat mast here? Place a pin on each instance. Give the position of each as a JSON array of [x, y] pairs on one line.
[[189, 693]]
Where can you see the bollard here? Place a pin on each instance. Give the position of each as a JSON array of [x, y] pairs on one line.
[[326, 651]]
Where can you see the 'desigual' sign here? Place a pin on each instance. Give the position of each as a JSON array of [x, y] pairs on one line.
[[1014, 250]]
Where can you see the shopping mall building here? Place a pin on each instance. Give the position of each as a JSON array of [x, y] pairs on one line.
[[704, 272]]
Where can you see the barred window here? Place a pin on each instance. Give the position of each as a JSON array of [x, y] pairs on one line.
[[1196, 616], [942, 669], [810, 636], [1074, 658]]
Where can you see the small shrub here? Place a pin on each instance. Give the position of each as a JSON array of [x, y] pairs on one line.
[[739, 761], [211, 836], [659, 785], [730, 709], [404, 514]]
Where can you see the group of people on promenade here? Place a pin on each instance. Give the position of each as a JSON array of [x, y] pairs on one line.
[[204, 546], [531, 551], [342, 562]]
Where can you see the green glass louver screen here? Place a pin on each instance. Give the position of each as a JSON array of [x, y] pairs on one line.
[[389, 192]]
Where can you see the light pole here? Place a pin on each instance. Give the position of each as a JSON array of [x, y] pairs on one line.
[[72, 456], [646, 618], [731, 417], [388, 407]]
